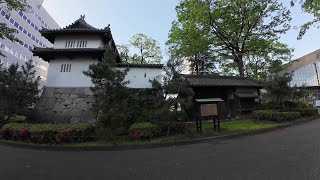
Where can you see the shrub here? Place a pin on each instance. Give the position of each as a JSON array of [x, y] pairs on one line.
[[306, 112], [47, 133], [286, 105], [270, 115], [178, 127], [143, 130]]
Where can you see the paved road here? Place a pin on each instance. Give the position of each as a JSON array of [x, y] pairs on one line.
[[290, 154]]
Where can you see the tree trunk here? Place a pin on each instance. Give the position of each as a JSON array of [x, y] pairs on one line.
[[141, 56], [240, 65], [168, 130], [197, 64]]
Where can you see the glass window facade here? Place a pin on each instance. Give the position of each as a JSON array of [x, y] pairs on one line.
[[306, 76], [28, 35]]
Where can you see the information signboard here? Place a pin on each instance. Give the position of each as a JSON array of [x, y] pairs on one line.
[[209, 110]]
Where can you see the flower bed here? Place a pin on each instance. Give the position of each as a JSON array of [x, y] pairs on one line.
[[47, 133], [143, 130]]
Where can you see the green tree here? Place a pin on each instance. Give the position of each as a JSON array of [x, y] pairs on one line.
[[257, 66], [308, 6], [202, 63], [233, 30], [110, 93], [178, 94], [5, 31], [148, 48], [124, 53], [278, 85], [19, 89], [191, 44]]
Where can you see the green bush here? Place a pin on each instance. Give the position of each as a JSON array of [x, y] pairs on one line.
[[270, 115], [285, 106], [143, 130], [47, 133], [306, 112]]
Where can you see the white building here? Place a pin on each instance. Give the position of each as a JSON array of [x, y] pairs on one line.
[[75, 47], [28, 24]]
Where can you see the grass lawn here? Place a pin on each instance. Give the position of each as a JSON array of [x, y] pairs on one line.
[[238, 126], [248, 124]]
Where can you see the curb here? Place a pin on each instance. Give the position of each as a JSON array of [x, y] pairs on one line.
[[213, 139]]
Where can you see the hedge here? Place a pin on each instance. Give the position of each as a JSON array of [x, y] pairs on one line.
[[270, 115], [143, 130], [306, 112], [47, 133]]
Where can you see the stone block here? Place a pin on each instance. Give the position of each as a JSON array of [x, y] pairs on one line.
[[57, 96], [75, 112], [65, 97], [90, 99], [58, 90], [88, 92], [73, 96], [66, 112], [50, 103], [83, 106], [48, 92], [58, 107], [82, 96], [79, 100], [72, 106], [80, 91], [67, 102], [69, 91]]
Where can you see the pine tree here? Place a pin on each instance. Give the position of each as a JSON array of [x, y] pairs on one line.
[[175, 85], [19, 89], [110, 93]]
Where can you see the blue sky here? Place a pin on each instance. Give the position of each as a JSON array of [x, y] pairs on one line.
[[153, 18]]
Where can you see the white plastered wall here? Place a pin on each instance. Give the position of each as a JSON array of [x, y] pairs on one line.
[[92, 41], [74, 78], [137, 77]]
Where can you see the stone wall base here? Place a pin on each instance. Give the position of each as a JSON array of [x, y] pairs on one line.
[[66, 105]]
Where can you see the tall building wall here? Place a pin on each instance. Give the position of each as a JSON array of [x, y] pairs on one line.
[[306, 70], [28, 25]]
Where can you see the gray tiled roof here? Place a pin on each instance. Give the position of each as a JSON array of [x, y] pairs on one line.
[[215, 80], [80, 26]]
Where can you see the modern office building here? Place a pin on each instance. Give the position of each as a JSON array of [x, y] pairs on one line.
[[306, 70], [306, 74], [28, 24]]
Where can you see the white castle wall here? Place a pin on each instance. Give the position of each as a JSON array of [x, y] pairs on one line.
[[74, 78], [91, 41], [138, 77]]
